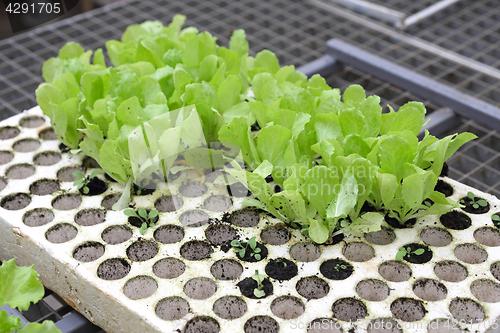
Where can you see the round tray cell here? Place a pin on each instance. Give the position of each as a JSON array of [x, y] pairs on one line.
[[192, 189], [194, 218], [113, 269], [140, 287], [61, 233], [196, 250], [110, 200], [455, 220], [430, 290], [89, 163], [312, 287], [384, 236], [442, 325], [26, 145], [66, 174], [238, 190], [358, 252], [48, 134], [245, 218], [230, 307], [487, 236], [475, 206], [383, 325], [88, 251], [38, 217], [3, 183], [250, 254], [172, 308], [275, 235], [336, 269], [324, 325], [486, 291], [372, 290], [142, 251], [281, 269], [226, 269], [219, 234], [169, 203], [116, 234], [20, 171], [32, 121], [408, 309], [395, 271], [396, 224], [47, 158], [259, 324], [414, 257], [8, 132], [436, 236], [305, 252], [96, 186], [44, 187], [217, 203], [200, 288], [89, 217], [465, 309], [349, 309], [201, 324], [67, 202], [169, 268], [5, 157], [444, 188], [450, 271], [15, 201], [248, 285], [287, 307], [470, 253], [169, 234]]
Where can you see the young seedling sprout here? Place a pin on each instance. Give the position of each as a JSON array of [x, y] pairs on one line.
[[82, 181], [241, 249], [283, 262], [475, 202], [406, 251], [147, 219], [339, 267], [259, 278], [495, 218]]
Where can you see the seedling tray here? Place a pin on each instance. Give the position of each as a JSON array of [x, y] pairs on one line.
[[182, 277]]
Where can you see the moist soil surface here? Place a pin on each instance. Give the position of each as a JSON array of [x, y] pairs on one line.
[[96, 186], [248, 285], [418, 259], [444, 188], [248, 253], [328, 270], [144, 191], [455, 220], [281, 269], [393, 222], [467, 202]]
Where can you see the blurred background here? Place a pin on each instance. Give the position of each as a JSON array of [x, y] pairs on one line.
[[443, 53]]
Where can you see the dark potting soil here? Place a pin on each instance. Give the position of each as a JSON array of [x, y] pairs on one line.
[[281, 269], [96, 186], [444, 171], [89, 163], [393, 222], [444, 188], [328, 270], [248, 285], [150, 188], [63, 148], [455, 220], [418, 259], [137, 222], [109, 178], [248, 257], [467, 202]]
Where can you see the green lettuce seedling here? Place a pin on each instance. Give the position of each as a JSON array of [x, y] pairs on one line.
[[142, 214], [82, 181], [407, 251], [250, 246], [20, 286], [259, 278], [475, 202]]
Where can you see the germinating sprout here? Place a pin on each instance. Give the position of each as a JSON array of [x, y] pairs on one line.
[[475, 202], [142, 214], [251, 246], [406, 251], [82, 182], [259, 278]]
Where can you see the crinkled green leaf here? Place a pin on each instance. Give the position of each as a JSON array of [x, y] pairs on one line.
[[238, 42], [318, 231], [9, 323], [321, 185], [20, 286], [354, 94], [345, 198]]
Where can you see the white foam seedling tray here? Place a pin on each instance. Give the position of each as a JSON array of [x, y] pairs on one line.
[[183, 284]]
